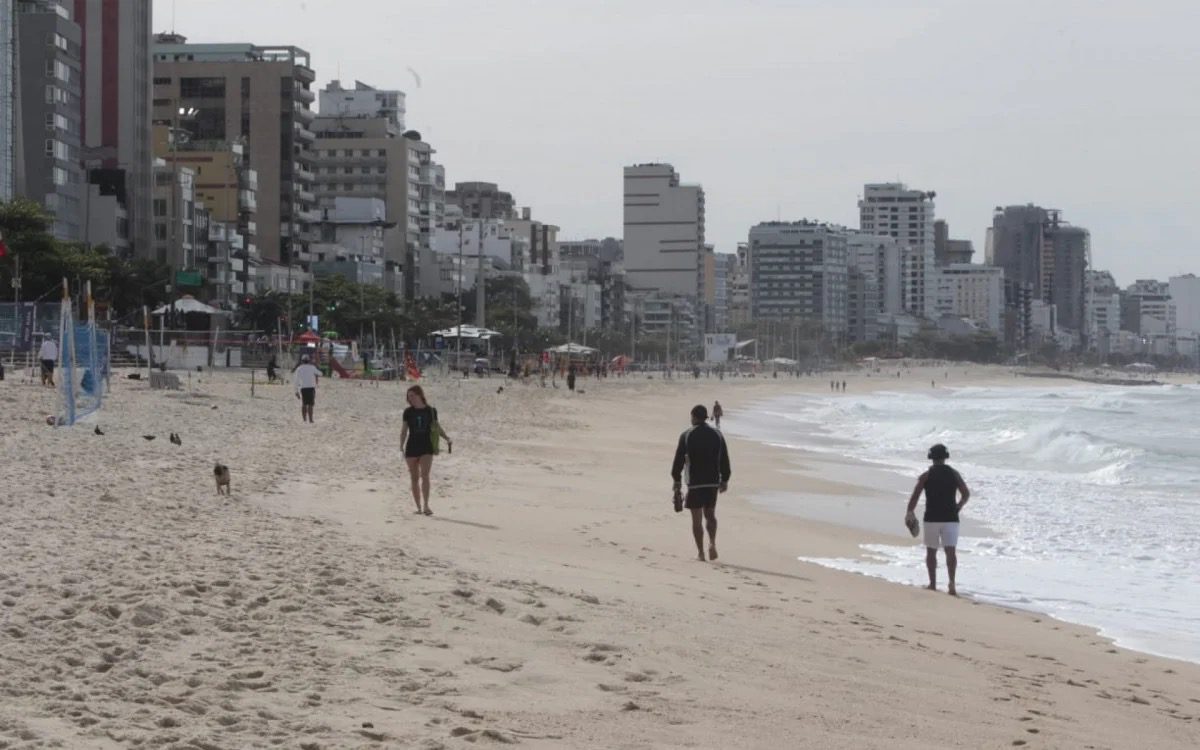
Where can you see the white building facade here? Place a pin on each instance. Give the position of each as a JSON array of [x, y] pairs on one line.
[[907, 215], [975, 292], [664, 232], [798, 271]]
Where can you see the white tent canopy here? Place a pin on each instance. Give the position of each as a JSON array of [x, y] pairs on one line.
[[782, 361], [468, 332], [572, 348], [188, 304]]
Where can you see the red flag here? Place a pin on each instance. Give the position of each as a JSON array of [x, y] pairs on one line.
[[3, 247]]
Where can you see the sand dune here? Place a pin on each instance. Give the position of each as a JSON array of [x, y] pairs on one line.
[[552, 601]]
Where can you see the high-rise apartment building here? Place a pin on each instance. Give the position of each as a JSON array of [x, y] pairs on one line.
[[664, 232], [260, 95], [894, 209], [8, 91], [880, 258], [798, 273], [1185, 295], [49, 77], [116, 84], [1035, 247], [1103, 312], [362, 151], [1065, 257]]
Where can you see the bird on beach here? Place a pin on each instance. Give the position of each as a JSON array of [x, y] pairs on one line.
[[500, 389], [98, 431], [149, 437], [175, 439]]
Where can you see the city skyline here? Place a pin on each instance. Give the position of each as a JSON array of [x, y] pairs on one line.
[[972, 102]]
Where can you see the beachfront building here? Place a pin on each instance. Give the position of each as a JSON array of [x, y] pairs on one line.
[[1102, 318], [116, 121], [665, 253], [1185, 296], [8, 126], [227, 188], [798, 272], [174, 212], [1036, 247], [974, 292], [894, 209], [260, 96], [351, 242], [1146, 308], [49, 77]]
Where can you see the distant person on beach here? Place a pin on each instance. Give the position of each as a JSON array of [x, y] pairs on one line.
[[702, 452], [48, 355], [305, 380], [272, 369], [717, 413], [421, 437], [571, 378], [941, 484]]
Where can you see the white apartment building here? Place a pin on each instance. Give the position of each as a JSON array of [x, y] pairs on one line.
[[664, 232], [975, 292], [1185, 294], [362, 101], [878, 257], [1102, 313], [893, 209]]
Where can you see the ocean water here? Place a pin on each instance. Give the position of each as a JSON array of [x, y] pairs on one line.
[[1091, 496]]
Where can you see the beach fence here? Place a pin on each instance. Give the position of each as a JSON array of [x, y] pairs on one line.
[[23, 327]]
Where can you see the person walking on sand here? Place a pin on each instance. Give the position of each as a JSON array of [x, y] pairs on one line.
[[717, 413], [420, 438], [940, 484], [305, 380], [702, 452], [48, 354]]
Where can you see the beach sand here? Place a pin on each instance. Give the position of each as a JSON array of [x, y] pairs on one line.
[[553, 601]]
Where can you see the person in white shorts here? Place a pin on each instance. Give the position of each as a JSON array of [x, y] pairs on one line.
[[945, 495]]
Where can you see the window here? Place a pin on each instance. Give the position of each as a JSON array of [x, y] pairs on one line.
[[162, 81], [381, 152], [160, 232], [160, 206], [202, 88], [60, 176]]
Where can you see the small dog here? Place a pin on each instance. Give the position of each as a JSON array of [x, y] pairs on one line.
[[221, 475]]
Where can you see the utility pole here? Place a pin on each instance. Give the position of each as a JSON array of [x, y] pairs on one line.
[[480, 316], [458, 339]]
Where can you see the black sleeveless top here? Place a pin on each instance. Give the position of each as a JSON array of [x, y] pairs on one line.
[[941, 494]]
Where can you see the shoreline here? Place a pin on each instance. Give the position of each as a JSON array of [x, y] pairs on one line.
[[863, 511], [553, 600]]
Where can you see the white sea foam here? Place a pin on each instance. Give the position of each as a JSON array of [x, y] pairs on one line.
[[1092, 493]]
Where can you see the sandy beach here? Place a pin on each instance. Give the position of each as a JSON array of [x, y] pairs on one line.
[[552, 601]]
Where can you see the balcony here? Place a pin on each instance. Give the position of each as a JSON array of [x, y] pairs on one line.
[[304, 95], [303, 174], [304, 114], [304, 133], [306, 196]]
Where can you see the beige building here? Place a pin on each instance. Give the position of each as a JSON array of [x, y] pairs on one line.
[[259, 96], [362, 151]]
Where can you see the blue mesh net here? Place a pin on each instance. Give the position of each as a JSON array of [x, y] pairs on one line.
[[84, 370]]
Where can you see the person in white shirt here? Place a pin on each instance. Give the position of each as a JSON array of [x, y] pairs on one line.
[[305, 379], [48, 354]]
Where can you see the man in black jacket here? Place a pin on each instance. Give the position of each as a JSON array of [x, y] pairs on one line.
[[702, 451]]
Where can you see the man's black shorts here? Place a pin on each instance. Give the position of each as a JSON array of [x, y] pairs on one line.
[[308, 396], [701, 497], [48, 365]]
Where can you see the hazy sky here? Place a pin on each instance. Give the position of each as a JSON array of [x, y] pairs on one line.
[[787, 108]]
